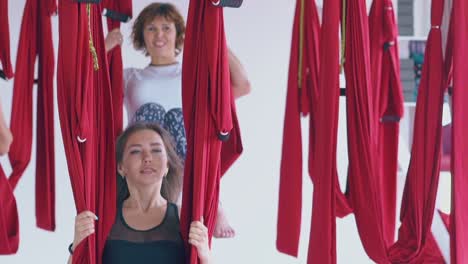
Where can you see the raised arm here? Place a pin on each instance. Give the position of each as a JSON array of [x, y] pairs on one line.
[[113, 39], [239, 81]]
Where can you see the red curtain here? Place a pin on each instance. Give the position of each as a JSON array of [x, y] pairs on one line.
[[114, 58], [35, 41], [459, 212], [5, 41], [85, 104], [302, 96], [209, 113]]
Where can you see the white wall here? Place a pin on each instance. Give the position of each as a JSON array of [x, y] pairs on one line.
[[260, 34], [422, 18]]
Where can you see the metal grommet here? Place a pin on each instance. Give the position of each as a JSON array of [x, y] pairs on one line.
[[80, 139], [388, 44], [223, 136]]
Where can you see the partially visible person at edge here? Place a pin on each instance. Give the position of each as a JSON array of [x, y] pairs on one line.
[[154, 93], [5, 134], [146, 228]]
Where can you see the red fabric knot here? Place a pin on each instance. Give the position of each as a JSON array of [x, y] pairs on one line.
[[435, 27]]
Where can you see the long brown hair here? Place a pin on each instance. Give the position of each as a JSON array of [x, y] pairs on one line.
[[172, 183], [166, 10]]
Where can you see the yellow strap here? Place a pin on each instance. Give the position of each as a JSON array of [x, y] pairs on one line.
[[301, 44], [92, 49], [343, 36]]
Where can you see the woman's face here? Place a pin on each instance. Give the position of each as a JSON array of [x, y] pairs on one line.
[[144, 159], [160, 37]]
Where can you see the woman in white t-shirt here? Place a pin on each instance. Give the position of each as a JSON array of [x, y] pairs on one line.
[[154, 93]]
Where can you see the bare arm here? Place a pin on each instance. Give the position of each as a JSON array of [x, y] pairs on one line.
[[239, 82], [5, 134], [198, 237], [84, 226], [113, 39]]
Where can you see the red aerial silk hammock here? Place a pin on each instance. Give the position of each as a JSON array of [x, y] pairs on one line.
[[364, 134], [388, 105], [123, 9], [459, 212], [209, 114], [417, 209], [9, 233], [85, 104], [364, 192], [322, 244], [301, 99], [421, 186], [35, 40], [5, 60]]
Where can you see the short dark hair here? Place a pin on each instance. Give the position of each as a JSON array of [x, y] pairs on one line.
[[172, 185], [166, 10]]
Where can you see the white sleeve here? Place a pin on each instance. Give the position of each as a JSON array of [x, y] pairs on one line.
[[127, 75]]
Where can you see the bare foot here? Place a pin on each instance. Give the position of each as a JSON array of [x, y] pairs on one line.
[[222, 228]]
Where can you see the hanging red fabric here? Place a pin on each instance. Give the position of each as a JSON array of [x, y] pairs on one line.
[[302, 96], [363, 189], [209, 114], [114, 57], [9, 227], [85, 104], [5, 59], [322, 244], [420, 189], [35, 40], [418, 203], [459, 212], [388, 105]]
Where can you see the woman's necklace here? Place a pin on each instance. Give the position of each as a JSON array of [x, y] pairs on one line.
[[163, 64]]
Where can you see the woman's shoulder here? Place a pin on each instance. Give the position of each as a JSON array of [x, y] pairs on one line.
[[172, 206], [128, 72], [174, 209]]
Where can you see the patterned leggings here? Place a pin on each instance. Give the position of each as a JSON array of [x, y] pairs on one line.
[[171, 120]]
